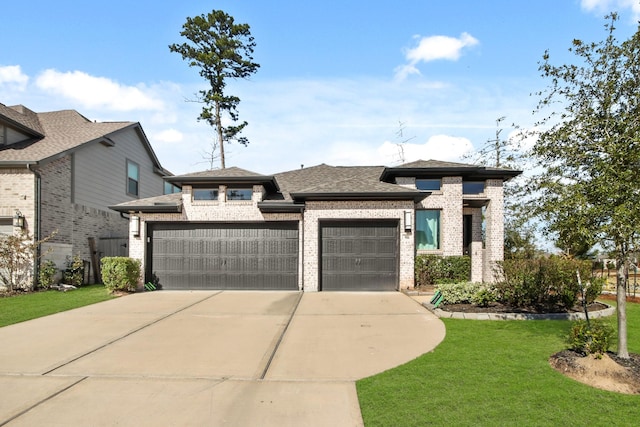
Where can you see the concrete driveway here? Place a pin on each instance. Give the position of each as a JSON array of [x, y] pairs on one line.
[[208, 358]]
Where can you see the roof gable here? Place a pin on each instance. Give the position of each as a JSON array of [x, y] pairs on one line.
[[232, 175], [58, 132], [21, 118]]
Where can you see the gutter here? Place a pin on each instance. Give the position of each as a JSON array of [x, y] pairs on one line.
[[37, 232]]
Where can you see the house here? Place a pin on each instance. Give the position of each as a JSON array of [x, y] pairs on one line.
[[318, 228], [59, 172]]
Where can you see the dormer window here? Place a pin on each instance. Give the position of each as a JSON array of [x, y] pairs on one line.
[[473, 187], [205, 193], [428, 184], [239, 193]]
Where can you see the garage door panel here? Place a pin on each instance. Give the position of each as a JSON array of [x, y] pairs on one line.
[[359, 255], [225, 256]]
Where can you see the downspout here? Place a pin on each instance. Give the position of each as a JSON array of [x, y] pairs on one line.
[[37, 213]]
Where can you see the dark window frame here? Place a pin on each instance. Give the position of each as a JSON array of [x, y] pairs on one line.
[[471, 187], [131, 180], [419, 229], [238, 191], [428, 187], [198, 194]]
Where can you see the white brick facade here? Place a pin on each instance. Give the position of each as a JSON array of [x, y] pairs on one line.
[[482, 211]]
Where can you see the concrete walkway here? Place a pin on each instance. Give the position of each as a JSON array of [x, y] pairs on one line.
[[208, 358]]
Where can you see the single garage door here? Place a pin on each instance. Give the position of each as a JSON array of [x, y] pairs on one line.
[[359, 256], [248, 256]]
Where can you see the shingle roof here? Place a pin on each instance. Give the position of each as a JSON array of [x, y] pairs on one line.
[[221, 173], [231, 175], [339, 181], [23, 118], [167, 203], [63, 131]]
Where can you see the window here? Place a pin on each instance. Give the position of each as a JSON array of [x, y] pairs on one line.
[[239, 193], [428, 184], [170, 188], [205, 194], [473, 187], [133, 178], [6, 226], [427, 230]]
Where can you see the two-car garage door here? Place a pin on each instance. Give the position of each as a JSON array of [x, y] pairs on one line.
[[247, 256], [354, 255]]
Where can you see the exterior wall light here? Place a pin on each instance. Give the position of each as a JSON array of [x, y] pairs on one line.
[[135, 225], [18, 220], [408, 221]]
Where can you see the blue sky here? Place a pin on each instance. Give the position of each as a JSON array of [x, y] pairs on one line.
[[336, 77]]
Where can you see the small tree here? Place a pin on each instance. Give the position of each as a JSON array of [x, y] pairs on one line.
[[18, 254], [590, 151], [222, 50]]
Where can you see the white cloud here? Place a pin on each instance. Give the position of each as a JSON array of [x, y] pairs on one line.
[[12, 75], [168, 135], [606, 6], [97, 92], [434, 48]]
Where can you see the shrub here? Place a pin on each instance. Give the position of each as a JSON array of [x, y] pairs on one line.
[[435, 269], [47, 274], [120, 273], [592, 337], [484, 297], [545, 282], [594, 290], [459, 293], [74, 274]]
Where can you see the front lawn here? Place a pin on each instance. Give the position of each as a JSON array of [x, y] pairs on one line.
[[19, 308], [495, 373]]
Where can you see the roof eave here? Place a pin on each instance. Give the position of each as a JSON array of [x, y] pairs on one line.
[[415, 196], [269, 182], [280, 207], [479, 172], [147, 208]]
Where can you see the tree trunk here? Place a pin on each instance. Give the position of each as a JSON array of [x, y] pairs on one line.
[[220, 135], [621, 299]]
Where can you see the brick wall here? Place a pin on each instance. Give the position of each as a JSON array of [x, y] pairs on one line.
[[73, 223], [494, 221], [17, 192]]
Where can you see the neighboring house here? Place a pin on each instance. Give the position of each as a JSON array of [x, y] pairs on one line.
[[319, 228], [59, 172]]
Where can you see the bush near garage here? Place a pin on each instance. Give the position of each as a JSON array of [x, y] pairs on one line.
[[120, 273], [436, 269]]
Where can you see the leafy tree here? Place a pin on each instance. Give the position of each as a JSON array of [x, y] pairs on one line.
[[590, 150], [18, 255], [222, 50]]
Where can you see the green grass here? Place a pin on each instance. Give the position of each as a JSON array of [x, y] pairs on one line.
[[495, 373], [19, 308]]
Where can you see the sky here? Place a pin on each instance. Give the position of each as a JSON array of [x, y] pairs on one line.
[[340, 82]]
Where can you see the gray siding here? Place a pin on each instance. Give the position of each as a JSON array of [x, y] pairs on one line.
[[12, 135], [100, 172]]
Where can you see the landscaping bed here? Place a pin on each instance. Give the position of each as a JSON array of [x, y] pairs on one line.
[[609, 372], [497, 307]]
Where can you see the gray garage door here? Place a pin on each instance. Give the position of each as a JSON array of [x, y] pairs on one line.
[[359, 256], [225, 256]]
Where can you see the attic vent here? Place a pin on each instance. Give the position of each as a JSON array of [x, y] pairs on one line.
[[107, 142]]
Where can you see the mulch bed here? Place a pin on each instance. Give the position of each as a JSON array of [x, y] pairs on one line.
[[609, 373], [503, 308]]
